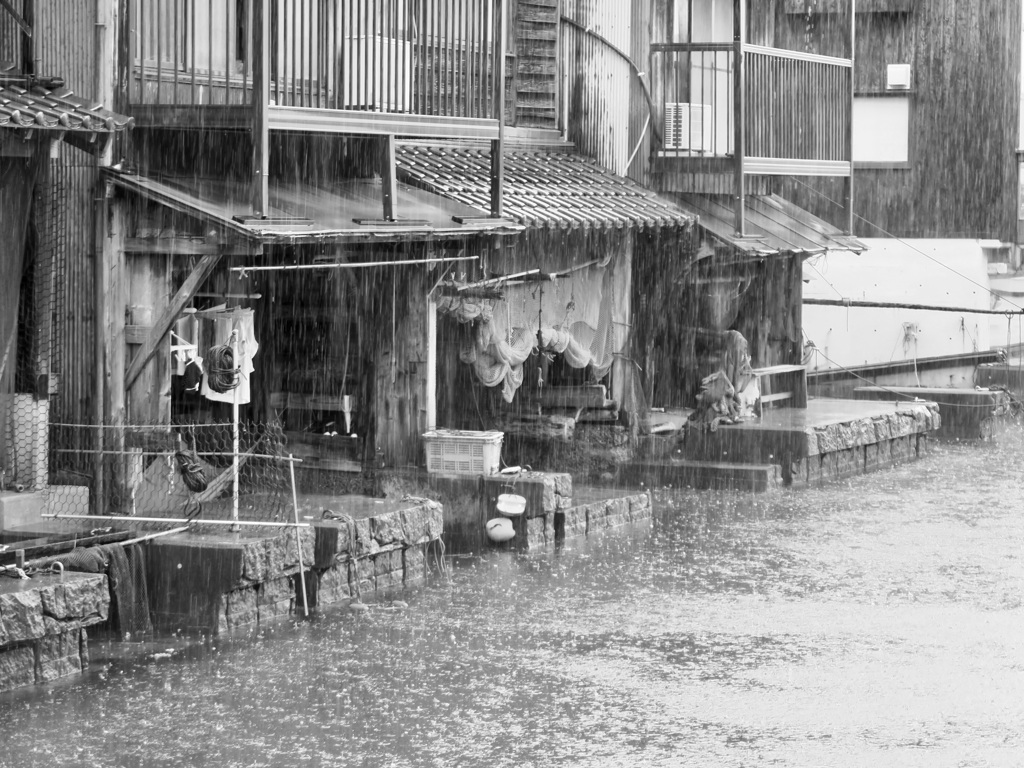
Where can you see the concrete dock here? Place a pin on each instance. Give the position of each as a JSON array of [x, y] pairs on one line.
[[828, 440]]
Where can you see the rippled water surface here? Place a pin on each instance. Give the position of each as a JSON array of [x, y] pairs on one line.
[[878, 622]]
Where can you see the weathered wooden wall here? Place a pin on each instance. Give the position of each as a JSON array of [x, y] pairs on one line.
[[964, 120], [400, 332]]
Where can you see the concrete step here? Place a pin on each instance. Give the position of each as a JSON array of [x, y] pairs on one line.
[[702, 475]]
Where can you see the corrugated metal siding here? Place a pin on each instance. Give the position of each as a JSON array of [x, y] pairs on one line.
[[640, 130], [599, 79], [65, 42], [10, 33]]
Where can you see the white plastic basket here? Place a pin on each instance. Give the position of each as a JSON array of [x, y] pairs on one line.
[[462, 452]]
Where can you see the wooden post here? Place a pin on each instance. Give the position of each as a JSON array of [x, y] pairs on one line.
[[498, 144], [105, 89], [28, 62], [111, 334], [388, 176], [848, 181], [260, 107], [101, 264], [739, 115], [430, 397]]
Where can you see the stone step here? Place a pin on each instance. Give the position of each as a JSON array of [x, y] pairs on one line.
[[702, 475]]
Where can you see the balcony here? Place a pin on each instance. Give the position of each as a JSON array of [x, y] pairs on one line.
[[733, 115], [384, 67]]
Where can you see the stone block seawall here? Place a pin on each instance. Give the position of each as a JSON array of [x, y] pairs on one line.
[[215, 582], [554, 507], [43, 624]]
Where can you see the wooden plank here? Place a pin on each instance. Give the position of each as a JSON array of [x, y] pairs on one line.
[[587, 396], [163, 323], [43, 547], [389, 178], [184, 246]]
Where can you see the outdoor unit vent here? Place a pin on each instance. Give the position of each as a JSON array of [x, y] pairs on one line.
[[897, 77], [688, 126], [377, 73]]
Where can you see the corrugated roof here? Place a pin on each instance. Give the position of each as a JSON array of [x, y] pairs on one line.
[[541, 188], [773, 225], [26, 104], [301, 213]]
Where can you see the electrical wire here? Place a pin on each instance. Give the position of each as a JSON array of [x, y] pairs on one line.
[[888, 234], [898, 395]]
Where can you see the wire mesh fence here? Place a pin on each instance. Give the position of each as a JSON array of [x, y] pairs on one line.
[[186, 472], [32, 322]]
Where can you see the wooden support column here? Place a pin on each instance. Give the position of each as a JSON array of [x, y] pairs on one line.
[[260, 195], [739, 113], [112, 295], [163, 323], [105, 85], [388, 176], [28, 60], [430, 396], [498, 144], [149, 286], [848, 181]]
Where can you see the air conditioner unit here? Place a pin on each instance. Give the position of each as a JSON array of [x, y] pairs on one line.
[[377, 73], [688, 127]]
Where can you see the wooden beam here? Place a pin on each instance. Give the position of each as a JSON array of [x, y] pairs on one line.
[[28, 58], [166, 320], [739, 99], [498, 144], [185, 246], [389, 177], [848, 138], [25, 27], [260, 107]]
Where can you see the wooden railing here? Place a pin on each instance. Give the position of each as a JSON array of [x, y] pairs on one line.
[[411, 57], [795, 107]]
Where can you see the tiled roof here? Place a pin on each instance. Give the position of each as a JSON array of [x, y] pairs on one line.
[[541, 188], [24, 104]]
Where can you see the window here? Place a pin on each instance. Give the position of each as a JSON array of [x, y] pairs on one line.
[[881, 130]]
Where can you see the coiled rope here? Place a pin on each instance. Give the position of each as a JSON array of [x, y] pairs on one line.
[[191, 470], [221, 373]]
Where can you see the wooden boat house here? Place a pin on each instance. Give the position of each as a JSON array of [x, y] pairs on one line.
[[604, 178]]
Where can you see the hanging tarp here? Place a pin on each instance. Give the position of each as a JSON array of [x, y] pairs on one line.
[[578, 313]]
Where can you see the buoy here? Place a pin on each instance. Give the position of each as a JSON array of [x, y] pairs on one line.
[[499, 529], [511, 504]]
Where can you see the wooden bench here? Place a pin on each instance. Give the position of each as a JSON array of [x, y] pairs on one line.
[[782, 384]]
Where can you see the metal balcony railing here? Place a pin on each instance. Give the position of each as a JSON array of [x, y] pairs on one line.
[[416, 58], [794, 108]]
